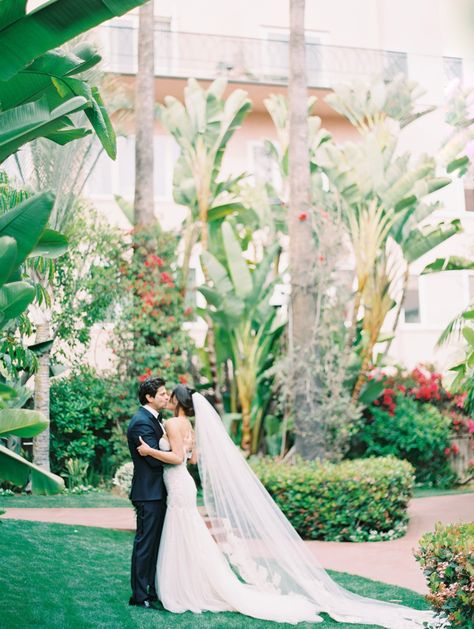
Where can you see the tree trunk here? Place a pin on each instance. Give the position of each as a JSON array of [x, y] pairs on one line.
[[41, 441], [302, 248], [144, 119]]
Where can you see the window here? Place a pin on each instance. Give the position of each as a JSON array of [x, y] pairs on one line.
[[166, 152], [123, 46], [100, 180], [126, 166], [276, 55], [411, 304], [163, 45], [452, 68], [394, 63], [263, 165]]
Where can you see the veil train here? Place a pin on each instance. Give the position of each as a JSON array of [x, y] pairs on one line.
[[261, 545]]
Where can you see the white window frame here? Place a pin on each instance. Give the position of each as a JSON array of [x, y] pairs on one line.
[[408, 325], [275, 175], [268, 33]]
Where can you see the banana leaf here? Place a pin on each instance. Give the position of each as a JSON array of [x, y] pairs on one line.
[[19, 471], [22, 422], [26, 223], [50, 25]]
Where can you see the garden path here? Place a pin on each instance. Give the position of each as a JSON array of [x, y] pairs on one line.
[[389, 562]]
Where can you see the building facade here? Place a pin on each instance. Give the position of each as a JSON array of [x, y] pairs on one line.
[[247, 42]]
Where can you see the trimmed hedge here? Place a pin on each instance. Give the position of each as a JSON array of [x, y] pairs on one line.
[[355, 501], [447, 559]]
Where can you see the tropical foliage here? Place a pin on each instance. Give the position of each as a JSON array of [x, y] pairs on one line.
[[385, 207], [249, 326], [40, 91]]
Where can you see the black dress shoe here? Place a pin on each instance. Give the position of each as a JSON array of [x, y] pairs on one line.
[[146, 604]]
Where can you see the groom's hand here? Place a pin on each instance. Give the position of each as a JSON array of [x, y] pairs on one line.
[[143, 449]]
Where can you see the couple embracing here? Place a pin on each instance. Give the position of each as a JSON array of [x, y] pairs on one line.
[[251, 561]]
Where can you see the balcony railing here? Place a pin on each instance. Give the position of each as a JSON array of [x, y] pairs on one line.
[[248, 60]]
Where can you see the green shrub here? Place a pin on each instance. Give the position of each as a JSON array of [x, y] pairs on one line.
[[447, 559], [363, 500], [85, 425], [414, 431]]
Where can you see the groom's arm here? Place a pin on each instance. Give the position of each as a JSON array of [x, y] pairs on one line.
[[147, 433]]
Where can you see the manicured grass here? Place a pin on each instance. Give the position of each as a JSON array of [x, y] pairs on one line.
[[426, 492], [76, 501], [72, 501], [56, 576]]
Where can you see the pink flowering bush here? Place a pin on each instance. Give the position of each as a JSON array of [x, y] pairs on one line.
[[447, 559], [416, 418], [149, 338]]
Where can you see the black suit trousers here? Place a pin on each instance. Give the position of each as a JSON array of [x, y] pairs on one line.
[[150, 518]]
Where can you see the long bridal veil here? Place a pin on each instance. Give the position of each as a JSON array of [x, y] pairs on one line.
[[260, 544]]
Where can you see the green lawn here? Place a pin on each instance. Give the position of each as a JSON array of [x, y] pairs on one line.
[[56, 576], [94, 499], [75, 501]]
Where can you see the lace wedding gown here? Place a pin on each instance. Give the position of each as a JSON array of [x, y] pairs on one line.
[[194, 575], [256, 563]]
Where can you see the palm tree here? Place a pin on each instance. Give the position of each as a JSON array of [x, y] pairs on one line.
[[302, 247], [144, 119]]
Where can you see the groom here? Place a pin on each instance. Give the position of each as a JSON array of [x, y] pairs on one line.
[[148, 493]]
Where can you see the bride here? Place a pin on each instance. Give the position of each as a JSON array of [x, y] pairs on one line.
[[252, 561]]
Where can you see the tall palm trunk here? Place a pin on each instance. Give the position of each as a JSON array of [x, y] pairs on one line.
[[42, 385], [144, 119], [302, 247]]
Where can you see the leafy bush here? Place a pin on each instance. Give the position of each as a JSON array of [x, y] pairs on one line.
[[84, 420], [419, 433], [149, 337], [364, 500], [447, 559]]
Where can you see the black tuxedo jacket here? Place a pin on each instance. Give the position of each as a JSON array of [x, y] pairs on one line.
[[147, 482]]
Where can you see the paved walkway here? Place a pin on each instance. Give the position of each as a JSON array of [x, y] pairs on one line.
[[389, 562]]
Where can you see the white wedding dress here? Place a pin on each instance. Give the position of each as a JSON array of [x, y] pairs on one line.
[[193, 574], [255, 563]]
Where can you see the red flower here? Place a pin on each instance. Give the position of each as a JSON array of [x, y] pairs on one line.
[[167, 279], [321, 258], [188, 311], [455, 449], [447, 451], [183, 379], [303, 216], [470, 426]]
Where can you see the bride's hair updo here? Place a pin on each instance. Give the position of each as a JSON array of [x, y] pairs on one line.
[[184, 399]]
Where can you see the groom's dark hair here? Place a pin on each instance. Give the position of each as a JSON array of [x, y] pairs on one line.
[[149, 387]]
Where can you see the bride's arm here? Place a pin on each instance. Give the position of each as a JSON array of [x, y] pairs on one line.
[[172, 457], [191, 447]]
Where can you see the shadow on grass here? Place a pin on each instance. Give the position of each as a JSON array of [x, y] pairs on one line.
[[56, 576]]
